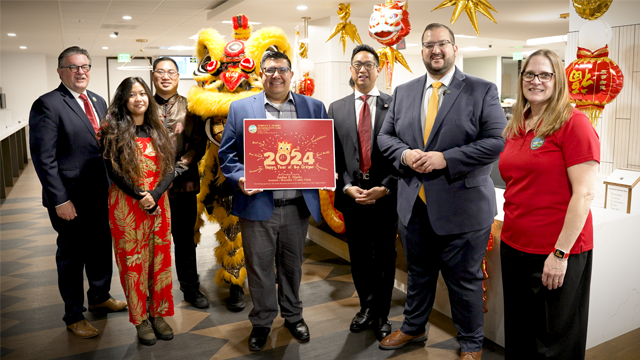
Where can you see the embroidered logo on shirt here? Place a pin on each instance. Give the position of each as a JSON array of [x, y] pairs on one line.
[[537, 142]]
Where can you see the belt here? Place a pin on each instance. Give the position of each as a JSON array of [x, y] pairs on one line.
[[363, 176], [287, 202]]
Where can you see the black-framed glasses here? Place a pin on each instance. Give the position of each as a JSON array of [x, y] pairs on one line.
[[172, 73], [369, 65], [75, 68], [543, 77], [283, 70], [441, 44]]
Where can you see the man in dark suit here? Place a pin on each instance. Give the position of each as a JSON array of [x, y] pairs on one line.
[[366, 192], [68, 160], [442, 132], [273, 223]]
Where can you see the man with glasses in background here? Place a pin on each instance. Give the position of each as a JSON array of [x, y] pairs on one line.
[[68, 160], [442, 132], [273, 223], [187, 135], [366, 192]]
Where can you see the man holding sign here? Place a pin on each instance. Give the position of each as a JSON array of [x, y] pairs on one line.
[[274, 223]]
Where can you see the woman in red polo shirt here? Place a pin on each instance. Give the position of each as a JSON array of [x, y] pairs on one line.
[[549, 165]]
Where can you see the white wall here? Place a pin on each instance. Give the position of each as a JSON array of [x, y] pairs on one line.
[[488, 68], [24, 79]]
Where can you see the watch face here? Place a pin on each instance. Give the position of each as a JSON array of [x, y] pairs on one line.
[[559, 254]]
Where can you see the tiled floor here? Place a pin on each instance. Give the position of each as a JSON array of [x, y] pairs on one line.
[[31, 307]]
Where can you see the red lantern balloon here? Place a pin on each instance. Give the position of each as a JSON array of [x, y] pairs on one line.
[[594, 81], [306, 86]]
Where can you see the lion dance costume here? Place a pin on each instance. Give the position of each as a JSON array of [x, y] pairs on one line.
[[226, 72]]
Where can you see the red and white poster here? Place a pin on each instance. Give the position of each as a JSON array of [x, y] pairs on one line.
[[288, 154]]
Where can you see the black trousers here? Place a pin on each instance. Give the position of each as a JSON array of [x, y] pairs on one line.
[[371, 237], [183, 220], [459, 258], [84, 243], [540, 323]]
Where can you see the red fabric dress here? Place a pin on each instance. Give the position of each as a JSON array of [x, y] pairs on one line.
[[142, 243]]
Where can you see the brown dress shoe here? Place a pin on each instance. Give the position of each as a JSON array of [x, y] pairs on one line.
[[399, 339], [111, 305], [83, 329], [471, 355]]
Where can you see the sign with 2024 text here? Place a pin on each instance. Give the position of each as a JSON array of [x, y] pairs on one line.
[[288, 154]]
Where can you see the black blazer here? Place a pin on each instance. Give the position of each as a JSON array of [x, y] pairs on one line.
[[382, 172], [64, 148]]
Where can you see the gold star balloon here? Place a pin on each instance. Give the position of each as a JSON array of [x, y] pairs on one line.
[[591, 9], [344, 28], [470, 7]]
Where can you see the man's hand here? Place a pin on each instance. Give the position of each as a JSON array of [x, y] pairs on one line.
[[66, 211], [366, 197], [425, 162], [241, 182]]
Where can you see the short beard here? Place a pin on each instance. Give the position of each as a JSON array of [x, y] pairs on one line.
[[445, 67]]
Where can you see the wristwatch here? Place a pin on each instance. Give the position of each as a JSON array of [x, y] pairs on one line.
[[560, 254]]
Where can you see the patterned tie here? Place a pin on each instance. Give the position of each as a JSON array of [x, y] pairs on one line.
[[432, 112], [364, 135], [89, 111]]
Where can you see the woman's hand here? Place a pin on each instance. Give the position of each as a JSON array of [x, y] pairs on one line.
[[147, 201], [554, 271]]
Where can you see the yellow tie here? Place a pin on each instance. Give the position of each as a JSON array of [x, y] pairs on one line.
[[432, 112]]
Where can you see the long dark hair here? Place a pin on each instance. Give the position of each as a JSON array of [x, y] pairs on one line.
[[118, 134]]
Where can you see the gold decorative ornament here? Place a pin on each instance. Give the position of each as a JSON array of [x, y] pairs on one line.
[[591, 9], [470, 7], [345, 28], [388, 57]]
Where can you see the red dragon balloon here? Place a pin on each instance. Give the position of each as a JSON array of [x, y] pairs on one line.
[[594, 81], [389, 24]]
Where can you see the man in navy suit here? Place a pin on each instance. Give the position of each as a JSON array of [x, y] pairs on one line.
[[442, 132], [68, 160], [366, 192], [273, 223]]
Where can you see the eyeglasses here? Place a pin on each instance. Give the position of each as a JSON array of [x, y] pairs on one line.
[[368, 65], [272, 70], [75, 68], [543, 77], [441, 44], [171, 73]]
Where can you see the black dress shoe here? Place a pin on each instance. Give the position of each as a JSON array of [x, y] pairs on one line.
[[299, 330], [258, 338], [196, 298], [362, 320], [235, 302], [382, 328]]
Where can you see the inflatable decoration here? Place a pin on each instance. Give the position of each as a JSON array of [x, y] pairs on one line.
[[470, 7], [226, 71], [496, 229], [345, 28], [389, 24], [331, 215], [594, 81], [306, 86], [591, 9]]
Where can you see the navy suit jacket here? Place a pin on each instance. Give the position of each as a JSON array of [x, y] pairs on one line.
[[468, 131], [231, 154], [64, 148], [347, 154]]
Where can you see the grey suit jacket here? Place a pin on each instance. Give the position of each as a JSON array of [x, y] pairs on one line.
[[347, 153], [468, 131]]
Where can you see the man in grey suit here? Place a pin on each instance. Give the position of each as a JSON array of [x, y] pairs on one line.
[[442, 132], [366, 192]]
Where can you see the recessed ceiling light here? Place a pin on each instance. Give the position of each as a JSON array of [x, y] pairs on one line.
[[114, 35], [105, 48], [546, 40], [302, 7], [465, 36], [11, 34], [23, 47], [250, 22], [127, 17]]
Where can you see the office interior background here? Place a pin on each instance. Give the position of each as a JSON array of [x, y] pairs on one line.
[[33, 33]]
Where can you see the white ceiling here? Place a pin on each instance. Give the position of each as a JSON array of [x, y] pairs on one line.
[[50, 26]]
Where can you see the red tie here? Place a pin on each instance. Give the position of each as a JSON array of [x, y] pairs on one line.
[[89, 110], [364, 135]]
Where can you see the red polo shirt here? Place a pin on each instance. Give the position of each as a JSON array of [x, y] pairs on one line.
[[538, 188]]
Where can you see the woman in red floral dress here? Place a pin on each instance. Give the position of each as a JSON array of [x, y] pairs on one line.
[[139, 158]]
